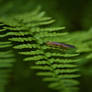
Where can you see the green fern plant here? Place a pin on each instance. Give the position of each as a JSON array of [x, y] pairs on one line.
[[7, 59], [35, 37], [29, 33]]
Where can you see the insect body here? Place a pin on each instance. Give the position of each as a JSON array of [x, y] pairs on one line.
[[61, 45]]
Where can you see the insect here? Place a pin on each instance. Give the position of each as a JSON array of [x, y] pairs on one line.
[[61, 45]]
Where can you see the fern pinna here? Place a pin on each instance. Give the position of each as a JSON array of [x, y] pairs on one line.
[[7, 59], [30, 33]]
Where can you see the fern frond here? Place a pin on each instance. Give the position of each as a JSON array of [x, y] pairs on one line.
[[7, 59], [6, 63], [58, 68], [29, 34]]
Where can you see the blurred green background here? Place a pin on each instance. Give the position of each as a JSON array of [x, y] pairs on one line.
[[74, 14]]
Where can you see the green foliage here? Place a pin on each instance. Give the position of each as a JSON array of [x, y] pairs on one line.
[[7, 59], [26, 35]]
